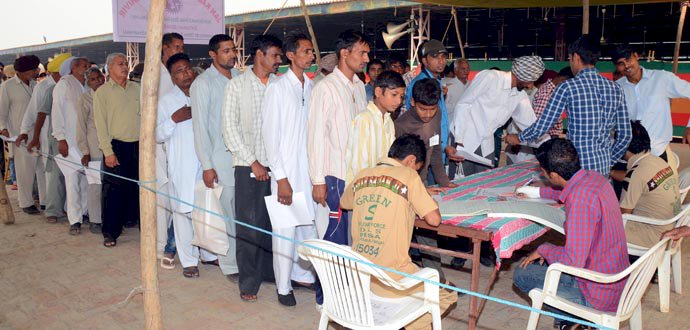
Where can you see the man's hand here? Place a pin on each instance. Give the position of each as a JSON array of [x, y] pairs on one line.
[[676, 234], [528, 192], [451, 152], [319, 193], [85, 160], [512, 139], [20, 138], [531, 258], [284, 192], [451, 185], [111, 161], [434, 190], [260, 171], [63, 148], [5, 132], [35, 143], [182, 114], [210, 177]]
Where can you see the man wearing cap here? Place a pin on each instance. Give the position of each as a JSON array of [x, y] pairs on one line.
[[432, 59], [326, 66], [493, 98], [15, 95], [36, 126]]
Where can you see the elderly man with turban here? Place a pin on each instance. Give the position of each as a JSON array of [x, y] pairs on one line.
[[14, 100], [493, 98]]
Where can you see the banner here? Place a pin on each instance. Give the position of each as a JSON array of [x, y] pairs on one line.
[[196, 20]]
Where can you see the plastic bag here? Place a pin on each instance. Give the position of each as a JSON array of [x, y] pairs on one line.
[[210, 232]]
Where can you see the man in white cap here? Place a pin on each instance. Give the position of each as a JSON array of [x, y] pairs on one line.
[[326, 67], [489, 102]]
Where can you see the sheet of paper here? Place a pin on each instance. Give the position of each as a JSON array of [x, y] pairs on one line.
[[496, 191], [547, 215], [461, 208], [70, 164], [284, 216], [538, 141], [93, 174], [462, 152], [434, 140], [8, 139]]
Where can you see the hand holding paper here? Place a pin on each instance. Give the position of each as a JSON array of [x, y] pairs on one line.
[[528, 192]]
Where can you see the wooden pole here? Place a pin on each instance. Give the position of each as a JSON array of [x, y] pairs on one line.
[[679, 35], [311, 31], [5, 207], [457, 31], [585, 16], [147, 165]]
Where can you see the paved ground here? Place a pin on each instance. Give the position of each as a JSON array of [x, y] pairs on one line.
[[50, 280]]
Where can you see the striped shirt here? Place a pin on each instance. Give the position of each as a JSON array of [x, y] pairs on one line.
[[595, 107], [371, 135], [541, 98], [594, 236]]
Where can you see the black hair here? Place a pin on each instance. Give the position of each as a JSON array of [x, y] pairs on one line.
[[348, 39], [215, 41], [621, 51], [566, 72], [292, 41], [168, 37], [394, 60], [2, 64], [640, 141], [174, 59], [426, 92], [408, 144], [449, 69], [559, 156], [389, 80], [495, 68], [375, 62], [264, 43], [587, 47]]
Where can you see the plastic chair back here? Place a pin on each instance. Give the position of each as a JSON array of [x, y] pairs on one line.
[[640, 276]]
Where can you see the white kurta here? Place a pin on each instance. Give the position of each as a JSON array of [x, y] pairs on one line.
[[487, 104], [43, 93], [455, 90]]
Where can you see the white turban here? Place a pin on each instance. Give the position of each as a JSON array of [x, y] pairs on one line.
[[528, 68], [66, 66]]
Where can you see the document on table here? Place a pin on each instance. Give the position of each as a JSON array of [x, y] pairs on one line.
[[8, 139], [463, 208], [93, 173], [462, 152], [284, 216], [496, 191]]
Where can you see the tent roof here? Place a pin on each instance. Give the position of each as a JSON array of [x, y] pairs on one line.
[[531, 3]]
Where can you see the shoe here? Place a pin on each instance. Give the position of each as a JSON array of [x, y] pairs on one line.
[[233, 278], [43, 207], [31, 210], [75, 229], [14, 186], [457, 263], [51, 219], [287, 299], [488, 261], [95, 228], [85, 219], [212, 263], [300, 285]]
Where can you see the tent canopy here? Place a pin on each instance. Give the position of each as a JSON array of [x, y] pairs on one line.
[[532, 3]]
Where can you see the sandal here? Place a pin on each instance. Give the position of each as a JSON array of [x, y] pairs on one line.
[[190, 272], [75, 229], [212, 263], [109, 242], [167, 263], [246, 297]]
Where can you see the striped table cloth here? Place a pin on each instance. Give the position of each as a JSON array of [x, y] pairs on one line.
[[509, 234]]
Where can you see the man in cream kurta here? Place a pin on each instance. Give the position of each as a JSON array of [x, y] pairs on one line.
[[64, 120], [286, 106]]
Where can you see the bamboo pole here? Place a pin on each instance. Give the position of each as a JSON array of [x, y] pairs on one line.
[[147, 165], [311, 31], [679, 35], [457, 31], [585, 16], [5, 207]]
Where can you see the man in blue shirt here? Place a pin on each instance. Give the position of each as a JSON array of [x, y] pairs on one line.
[[595, 107]]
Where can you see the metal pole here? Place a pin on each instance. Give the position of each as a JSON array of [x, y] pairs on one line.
[[679, 35], [457, 32], [147, 165]]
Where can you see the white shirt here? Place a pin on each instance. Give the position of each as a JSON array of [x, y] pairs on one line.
[[41, 101], [455, 90], [64, 114], [14, 99], [184, 168], [285, 111], [165, 85], [650, 102], [487, 104]]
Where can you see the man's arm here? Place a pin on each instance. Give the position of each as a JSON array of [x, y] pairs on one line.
[[165, 125], [272, 130], [422, 203], [437, 167], [57, 115], [201, 95], [549, 193], [623, 130], [523, 114], [100, 115], [317, 135], [82, 108], [552, 112], [632, 192], [232, 130], [347, 199]]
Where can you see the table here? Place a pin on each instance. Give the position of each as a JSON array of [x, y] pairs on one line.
[[507, 234]]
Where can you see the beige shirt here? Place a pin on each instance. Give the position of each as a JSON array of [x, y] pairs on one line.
[[116, 114], [335, 101], [87, 137], [14, 99]]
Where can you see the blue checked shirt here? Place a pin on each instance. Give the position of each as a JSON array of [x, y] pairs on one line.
[[595, 107], [445, 128]]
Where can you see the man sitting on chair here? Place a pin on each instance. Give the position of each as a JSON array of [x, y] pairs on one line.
[[385, 200], [594, 233]]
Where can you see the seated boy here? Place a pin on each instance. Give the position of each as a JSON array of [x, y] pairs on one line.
[[650, 189], [384, 200], [595, 238], [373, 130]]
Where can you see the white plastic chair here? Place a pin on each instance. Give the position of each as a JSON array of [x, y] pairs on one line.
[[348, 299], [629, 307], [672, 256]]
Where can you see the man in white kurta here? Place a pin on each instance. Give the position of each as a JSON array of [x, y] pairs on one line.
[[286, 106], [64, 120], [174, 128]]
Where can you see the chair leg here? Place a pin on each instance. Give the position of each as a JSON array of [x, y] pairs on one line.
[[436, 318], [636, 318], [534, 316], [677, 272], [323, 322], [664, 271]]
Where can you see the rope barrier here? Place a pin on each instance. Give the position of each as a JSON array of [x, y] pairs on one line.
[[144, 185]]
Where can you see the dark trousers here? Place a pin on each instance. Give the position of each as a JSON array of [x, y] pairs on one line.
[[121, 197], [254, 249], [338, 228]]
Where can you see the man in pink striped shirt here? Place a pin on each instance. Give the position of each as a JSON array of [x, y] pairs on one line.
[[595, 238]]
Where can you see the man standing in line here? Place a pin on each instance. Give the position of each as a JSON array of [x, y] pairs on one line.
[[457, 85], [64, 120], [87, 141], [374, 69], [15, 95], [242, 122], [216, 161], [117, 118]]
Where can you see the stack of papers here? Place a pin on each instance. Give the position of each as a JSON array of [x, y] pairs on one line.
[[462, 152]]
